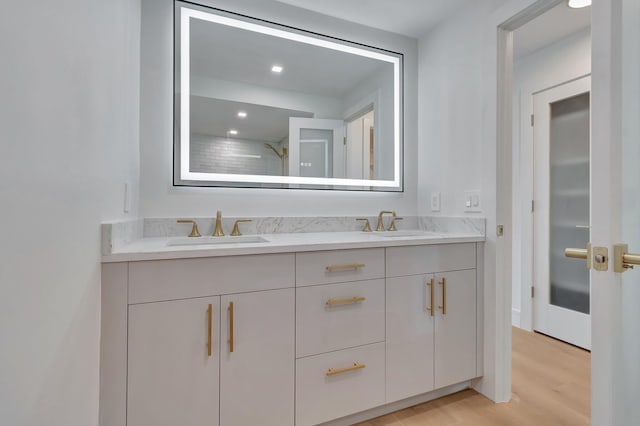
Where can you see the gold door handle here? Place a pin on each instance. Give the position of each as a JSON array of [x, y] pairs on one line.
[[623, 261], [230, 326], [346, 267], [431, 291], [355, 299], [579, 253], [443, 283], [336, 371], [209, 328]]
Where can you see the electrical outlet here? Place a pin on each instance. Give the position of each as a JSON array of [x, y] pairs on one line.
[[435, 201], [472, 201]]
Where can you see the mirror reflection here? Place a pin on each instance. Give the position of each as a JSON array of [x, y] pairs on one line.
[[282, 108]]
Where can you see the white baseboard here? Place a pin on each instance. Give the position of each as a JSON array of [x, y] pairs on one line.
[[515, 317]]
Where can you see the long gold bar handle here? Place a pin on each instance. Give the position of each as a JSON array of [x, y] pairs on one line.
[[431, 286], [230, 326], [209, 328], [336, 371], [444, 296], [355, 299], [332, 268], [623, 261], [579, 253]]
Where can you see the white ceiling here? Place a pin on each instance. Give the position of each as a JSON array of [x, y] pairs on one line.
[[548, 28], [412, 18]]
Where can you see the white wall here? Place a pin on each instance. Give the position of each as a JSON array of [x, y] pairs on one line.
[[69, 120], [560, 62], [160, 199]]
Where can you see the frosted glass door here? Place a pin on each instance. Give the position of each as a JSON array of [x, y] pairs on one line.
[[561, 211], [569, 201]]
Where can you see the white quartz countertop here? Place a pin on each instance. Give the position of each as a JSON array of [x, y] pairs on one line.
[[160, 248]]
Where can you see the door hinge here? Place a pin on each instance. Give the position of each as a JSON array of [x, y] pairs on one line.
[[533, 206], [532, 120], [533, 292], [344, 140]]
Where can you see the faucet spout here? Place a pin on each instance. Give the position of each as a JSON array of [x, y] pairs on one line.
[[218, 232]]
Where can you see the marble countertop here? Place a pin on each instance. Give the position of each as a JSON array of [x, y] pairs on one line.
[[157, 248]]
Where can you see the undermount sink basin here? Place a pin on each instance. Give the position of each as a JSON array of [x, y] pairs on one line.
[[400, 234], [201, 241]]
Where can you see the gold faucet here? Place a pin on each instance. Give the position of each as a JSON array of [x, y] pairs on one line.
[[380, 226], [236, 230], [218, 232], [194, 228], [392, 225]]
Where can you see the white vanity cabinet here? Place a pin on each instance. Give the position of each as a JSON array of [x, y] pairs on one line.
[[430, 318], [287, 339]]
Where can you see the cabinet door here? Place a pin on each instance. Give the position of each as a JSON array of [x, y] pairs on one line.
[[257, 378], [172, 379], [410, 327], [455, 336]]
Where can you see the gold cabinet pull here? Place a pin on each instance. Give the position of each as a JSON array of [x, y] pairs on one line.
[[336, 371], [444, 296], [346, 267], [209, 328], [431, 286], [355, 299], [230, 326]]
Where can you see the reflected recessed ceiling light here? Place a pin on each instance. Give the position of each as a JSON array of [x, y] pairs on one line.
[[577, 4], [277, 69], [233, 132], [242, 114]]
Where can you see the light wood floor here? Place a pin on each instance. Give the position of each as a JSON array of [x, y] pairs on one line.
[[550, 386]]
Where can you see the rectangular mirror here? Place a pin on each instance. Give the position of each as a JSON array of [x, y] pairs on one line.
[[258, 104]]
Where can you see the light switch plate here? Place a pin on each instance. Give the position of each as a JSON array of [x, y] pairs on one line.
[[435, 201], [472, 202]]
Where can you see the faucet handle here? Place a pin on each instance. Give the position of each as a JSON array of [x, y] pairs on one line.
[[392, 225], [367, 225], [194, 228], [236, 230]]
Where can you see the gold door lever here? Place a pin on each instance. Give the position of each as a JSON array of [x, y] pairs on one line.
[[578, 253], [623, 261]]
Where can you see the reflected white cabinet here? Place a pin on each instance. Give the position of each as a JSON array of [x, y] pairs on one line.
[[172, 379], [257, 377]]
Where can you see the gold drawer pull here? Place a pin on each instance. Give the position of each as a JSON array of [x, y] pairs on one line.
[[332, 268], [432, 296], [354, 367], [443, 283], [209, 328], [230, 326], [355, 299]]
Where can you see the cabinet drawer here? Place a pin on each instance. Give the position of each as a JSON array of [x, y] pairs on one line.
[[338, 316], [402, 261], [324, 267], [158, 280], [321, 397]]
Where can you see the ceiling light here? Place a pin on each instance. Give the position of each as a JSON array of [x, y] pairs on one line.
[[242, 114], [577, 4], [277, 69], [233, 132]]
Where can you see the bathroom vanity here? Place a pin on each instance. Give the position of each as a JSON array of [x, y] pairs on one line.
[[301, 329]]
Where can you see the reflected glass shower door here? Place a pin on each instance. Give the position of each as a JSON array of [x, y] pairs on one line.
[[561, 216]]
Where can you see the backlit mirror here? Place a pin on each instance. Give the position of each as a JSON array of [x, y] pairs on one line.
[[262, 105]]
